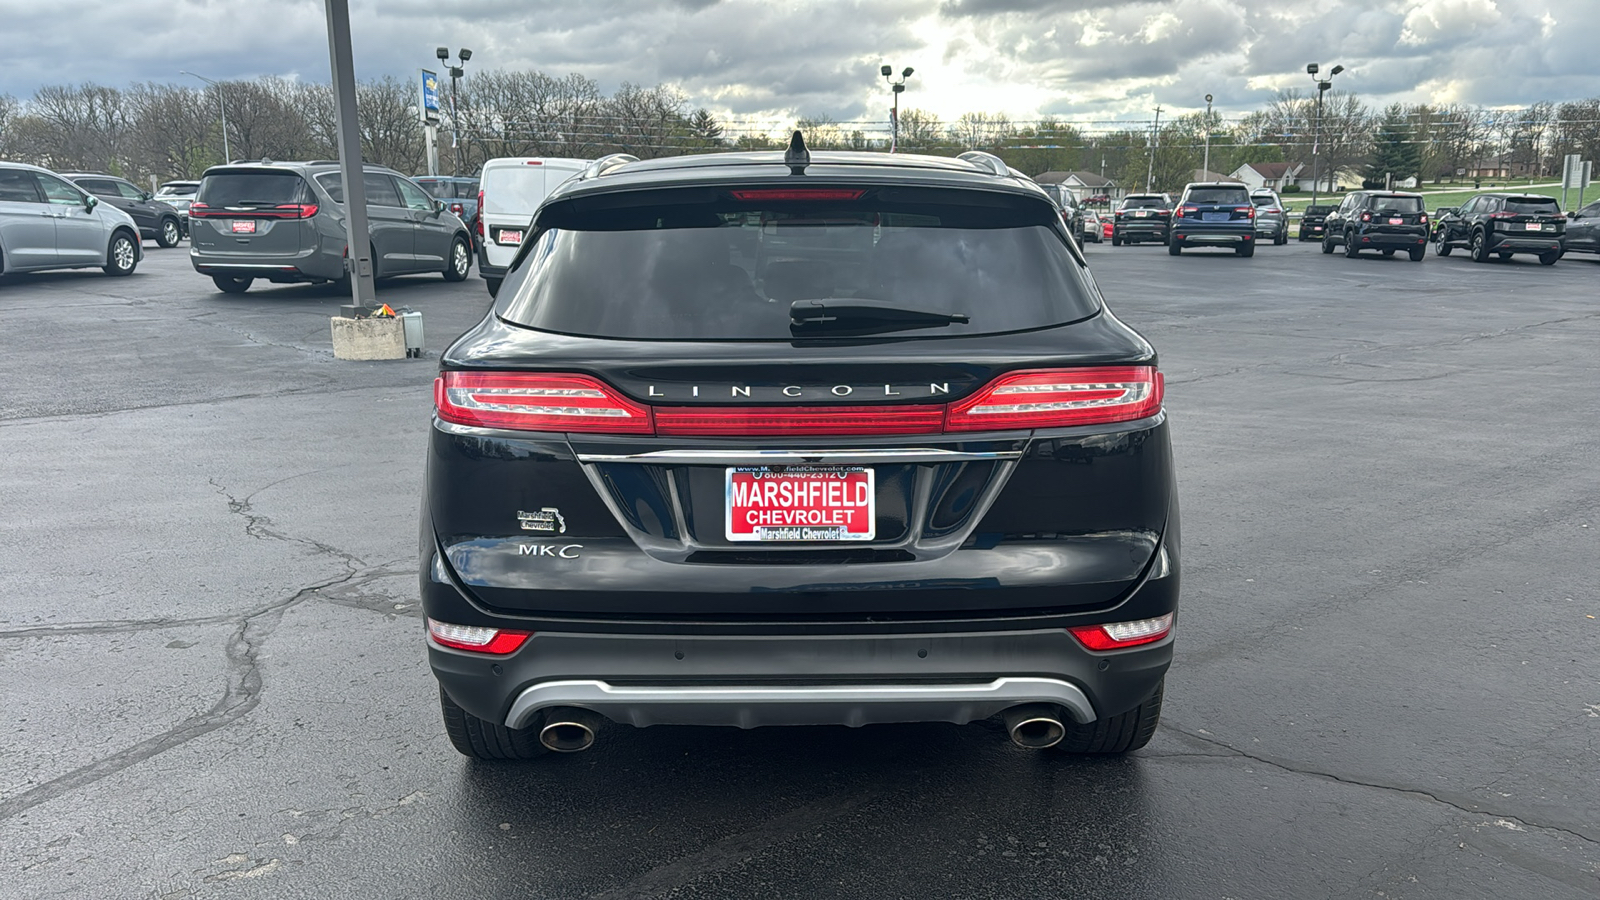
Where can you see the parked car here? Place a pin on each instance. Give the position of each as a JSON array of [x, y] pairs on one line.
[[1504, 224], [1311, 221], [1071, 213], [155, 219], [1272, 220], [1583, 229], [1142, 217], [758, 502], [284, 222], [1106, 227], [1387, 221], [511, 189], [1092, 226], [1214, 214], [1437, 220], [48, 222], [460, 196], [178, 195]]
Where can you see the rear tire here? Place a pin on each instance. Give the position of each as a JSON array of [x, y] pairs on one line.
[[1116, 734], [482, 739], [1246, 250], [1388, 251], [1417, 253], [1116, 239], [460, 261], [1440, 248], [230, 285], [1480, 247], [1174, 247], [1327, 244], [1504, 254], [1549, 257], [169, 234], [1350, 248], [122, 255]]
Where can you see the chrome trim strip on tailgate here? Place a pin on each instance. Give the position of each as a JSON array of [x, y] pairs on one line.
[[799, 457], [751, 706]]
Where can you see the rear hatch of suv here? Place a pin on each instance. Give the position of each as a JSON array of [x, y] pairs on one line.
[[254, 214], [1401, 214], [849, 400], [1530, 216], [1216, 208]]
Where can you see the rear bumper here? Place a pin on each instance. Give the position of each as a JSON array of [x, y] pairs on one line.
[[1382, 239], [308, 266], [1529, 244], [1202, 236]]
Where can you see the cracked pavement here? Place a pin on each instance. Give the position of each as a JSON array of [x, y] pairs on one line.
[[1385, 686]]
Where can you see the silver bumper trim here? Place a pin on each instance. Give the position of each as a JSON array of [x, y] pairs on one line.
[[754, 706], [798, 457]]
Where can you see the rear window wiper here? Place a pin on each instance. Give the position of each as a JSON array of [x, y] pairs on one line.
[[849, 313]]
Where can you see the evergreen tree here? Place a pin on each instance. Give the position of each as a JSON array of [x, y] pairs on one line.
[[1393, 151]]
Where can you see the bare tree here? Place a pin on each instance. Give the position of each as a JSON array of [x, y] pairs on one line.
[[176, 132]]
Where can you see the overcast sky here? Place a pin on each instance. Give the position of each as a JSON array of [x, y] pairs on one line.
[[1073, 58]]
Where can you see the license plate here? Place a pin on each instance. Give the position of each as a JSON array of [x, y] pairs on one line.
[[1140, 214], [1534, 226], [1396, 221], [1215, 217], [509, 238], [244, 226], [801, 503]]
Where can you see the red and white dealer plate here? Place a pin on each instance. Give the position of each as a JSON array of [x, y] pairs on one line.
[[801, 503]]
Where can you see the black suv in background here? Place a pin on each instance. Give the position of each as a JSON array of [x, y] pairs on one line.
[[1071, 212], [1143, 217], [1312, 221], [1214, 214], [1378, 220], [1504, 224], [790, 438], [156, 220], [284, 222]]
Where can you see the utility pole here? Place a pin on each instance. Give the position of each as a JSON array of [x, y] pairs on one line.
[[362, 295], [1155, 137], [1206, 166], [898, 88]]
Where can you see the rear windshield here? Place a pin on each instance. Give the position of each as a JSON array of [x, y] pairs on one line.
[[1144, 203], [1220, 195], [177, 190], [1264, 201], [725, 270], [1318, 210], [1543, 206], [449, 190], [1396, 204], [252, 189]]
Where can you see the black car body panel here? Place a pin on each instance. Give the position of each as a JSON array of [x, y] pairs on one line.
[[1503, 224], [1388, 221], [1583, 229], [618, 551]]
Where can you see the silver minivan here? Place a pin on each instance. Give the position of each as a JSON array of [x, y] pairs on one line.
[[47, 222]]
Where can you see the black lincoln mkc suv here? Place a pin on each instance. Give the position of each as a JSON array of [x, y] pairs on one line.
[[787, 438]]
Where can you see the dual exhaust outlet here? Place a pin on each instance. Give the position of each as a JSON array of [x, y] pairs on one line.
[[1035, 726]]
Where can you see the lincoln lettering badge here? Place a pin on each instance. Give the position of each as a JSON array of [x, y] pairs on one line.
[[546, 519]]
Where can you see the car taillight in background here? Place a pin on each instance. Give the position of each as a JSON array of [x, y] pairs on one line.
[[1052, 398], [281, 211], [458, 209], [478, 219], [1187, 210], [1422, 219], [476, 638], [1121, 635], [1249, 211], [1366, 217]]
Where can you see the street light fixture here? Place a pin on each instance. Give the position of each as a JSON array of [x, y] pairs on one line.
[[456, 71], [1323, 85], [898, 87], [227, 155]]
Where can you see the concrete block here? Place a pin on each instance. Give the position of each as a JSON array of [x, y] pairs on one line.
[[368, 338]]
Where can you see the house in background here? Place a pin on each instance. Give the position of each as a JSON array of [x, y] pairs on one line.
[[1271, 176], [1208, 175], [1083, 185]]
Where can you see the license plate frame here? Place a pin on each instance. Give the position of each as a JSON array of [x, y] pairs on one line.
[[1397, 221], [815, 518], [244, 226], [1215, 216], [509, 237], [1533, 226]]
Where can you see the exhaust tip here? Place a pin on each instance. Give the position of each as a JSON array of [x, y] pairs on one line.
[[569, 730], [1035, 726]]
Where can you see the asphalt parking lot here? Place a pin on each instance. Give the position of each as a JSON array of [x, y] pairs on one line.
[[1386, 682]]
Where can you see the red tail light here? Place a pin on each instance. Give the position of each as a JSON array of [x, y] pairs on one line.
[[476, 638], [1501, 215], [1120, 635], [281, 211], [533, 401], [1366, 217], [200, 210], [478, 219], [1187, 210], [1422, 219], [457, 208], [1054, 398], [1249, 211], [762, 421]]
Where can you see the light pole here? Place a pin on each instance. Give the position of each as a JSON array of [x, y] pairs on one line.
[[1155, 138], [227, 155], [1206, 166], [898, 87], [455, 75], [1323, 84]]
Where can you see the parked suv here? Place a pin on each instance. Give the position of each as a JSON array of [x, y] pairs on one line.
[[284, 222], [1312, 222], [1141, 217], [47, 222], [1378, 220], [1504, 224], [790, 438], [1583, 231], [155, 218], [1272, 220], [1071, 213], [460, 196], [1214, 214], [178, 195]]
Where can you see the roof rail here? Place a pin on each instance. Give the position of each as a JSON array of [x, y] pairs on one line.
[[323, 162], [988, 162], [606, 163]]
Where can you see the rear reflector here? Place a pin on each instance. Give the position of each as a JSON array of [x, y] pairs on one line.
[[477, 639], [1119, 635], [533, 401], [1037, 398], [1060, 397], [753, 421]]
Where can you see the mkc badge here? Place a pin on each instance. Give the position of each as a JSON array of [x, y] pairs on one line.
[[546, 519]]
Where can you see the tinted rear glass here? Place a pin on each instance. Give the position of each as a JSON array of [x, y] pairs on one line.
[[1318, 210], [725, 270], [177, 190], [1144, 203], [1396, 204], [1263, 201], [1543, 206], [252, 189], [1224, 196]]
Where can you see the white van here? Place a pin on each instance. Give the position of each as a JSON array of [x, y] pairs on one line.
[[511, 189]]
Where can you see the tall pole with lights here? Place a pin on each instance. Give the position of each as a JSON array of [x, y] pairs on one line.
[[227, 155], [898, 88], [1323, 85], [456, 71], [1206, 166]]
